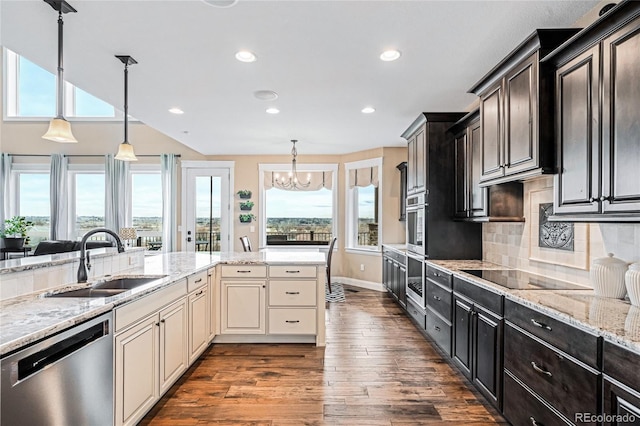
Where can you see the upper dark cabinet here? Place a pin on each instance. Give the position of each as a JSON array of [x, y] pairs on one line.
[[497, 203], [598, 120], [516, 111]]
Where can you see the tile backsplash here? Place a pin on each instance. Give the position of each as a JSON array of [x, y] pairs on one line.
[[515, 244], [36, 280]]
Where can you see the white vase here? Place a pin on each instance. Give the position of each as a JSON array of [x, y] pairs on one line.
[[632, 282], [607, 277]]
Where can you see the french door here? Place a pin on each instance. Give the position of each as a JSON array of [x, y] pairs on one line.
[[206, 207]]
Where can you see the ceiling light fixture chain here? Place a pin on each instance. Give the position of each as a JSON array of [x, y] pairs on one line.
[[292, 181]]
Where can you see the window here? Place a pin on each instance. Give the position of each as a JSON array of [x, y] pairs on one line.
[[87, 202], [32, 192], [31, 92], [146, 205], [363, 206], [298, 218]]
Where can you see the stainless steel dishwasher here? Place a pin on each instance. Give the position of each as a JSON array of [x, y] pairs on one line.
[[66, 379]]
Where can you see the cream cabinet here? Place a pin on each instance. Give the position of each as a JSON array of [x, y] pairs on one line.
[[212, 303], [150, 350], [198, 322], [243, 307]]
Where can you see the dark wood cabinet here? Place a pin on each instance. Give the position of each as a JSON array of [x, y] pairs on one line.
[[394, 274], [598, 120], [621, 404], [402, 167], [477, 337], [439, 299], [416, 161], [621, 390], [516, 111]]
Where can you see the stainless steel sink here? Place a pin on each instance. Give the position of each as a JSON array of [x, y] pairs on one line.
[[89, 292], [109, 288], [125, 283]]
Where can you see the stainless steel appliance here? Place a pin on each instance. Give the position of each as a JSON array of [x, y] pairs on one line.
[[416, 224], [66, 379], [415, 279]]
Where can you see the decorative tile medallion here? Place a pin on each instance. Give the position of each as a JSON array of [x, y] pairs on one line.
[[554, 235]]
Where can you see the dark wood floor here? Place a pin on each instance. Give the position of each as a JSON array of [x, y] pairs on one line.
[[376, 369]]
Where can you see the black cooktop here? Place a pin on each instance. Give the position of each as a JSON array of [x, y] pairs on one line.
[[520, 280]]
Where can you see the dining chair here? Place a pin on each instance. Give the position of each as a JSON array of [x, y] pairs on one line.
[[329, 254], [246, 243]]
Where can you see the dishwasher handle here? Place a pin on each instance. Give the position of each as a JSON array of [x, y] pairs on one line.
[[37, 361]]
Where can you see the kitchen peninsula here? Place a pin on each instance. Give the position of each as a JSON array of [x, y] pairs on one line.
[[158, 329]]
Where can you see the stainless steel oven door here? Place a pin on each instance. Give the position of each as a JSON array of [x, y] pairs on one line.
[[415, 279], [416, 229]]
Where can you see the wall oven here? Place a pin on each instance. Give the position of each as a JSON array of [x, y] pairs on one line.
[[415, 279], [416, 224]]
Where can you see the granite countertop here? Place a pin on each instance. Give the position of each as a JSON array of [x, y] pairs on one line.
[[615, 320], [36, 262], [26, 319]]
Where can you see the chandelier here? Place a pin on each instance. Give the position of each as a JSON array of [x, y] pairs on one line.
[[292, 181]]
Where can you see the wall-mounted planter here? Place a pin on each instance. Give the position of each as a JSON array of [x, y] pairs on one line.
[[246, 205], [246, 218], [244, 194]]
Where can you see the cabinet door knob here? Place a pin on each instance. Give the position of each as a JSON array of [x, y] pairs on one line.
[[163, 320], [437, 298], [534, 422], [540, 370], [605, 198], [593, 199]]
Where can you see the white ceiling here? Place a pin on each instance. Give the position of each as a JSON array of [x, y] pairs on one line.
[[321, 57]]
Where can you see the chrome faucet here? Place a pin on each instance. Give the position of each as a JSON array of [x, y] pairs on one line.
[[82, 270]]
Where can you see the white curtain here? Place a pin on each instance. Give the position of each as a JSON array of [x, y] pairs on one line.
[[364, 177], [117, 197], [318, 180], [5, 186], [58, 196], [169, 172]]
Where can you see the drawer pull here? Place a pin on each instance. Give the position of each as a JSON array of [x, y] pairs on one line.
[[199, 293], [437, 298], [534, 422], [199, 280], [436, 328], [242, 271], [539, 324], [292, 322], [293, 272], [540, 370], [292, 292]]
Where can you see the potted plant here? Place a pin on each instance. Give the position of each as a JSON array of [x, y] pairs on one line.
[[246, 218], [15, 232], [244, 193], [246, 205]]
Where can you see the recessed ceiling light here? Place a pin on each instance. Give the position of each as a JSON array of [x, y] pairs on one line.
[[265, 95], [245, 56], [368, 110], [221, 3], [175, 110], [390, 55], [273, 110]]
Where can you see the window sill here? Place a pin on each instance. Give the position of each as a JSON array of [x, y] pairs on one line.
[[364, 251]]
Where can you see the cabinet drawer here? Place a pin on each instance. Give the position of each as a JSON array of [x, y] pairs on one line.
[[551, 374], [292, 321], [439, 331], [292, 293], [196, 280], [132, 312], [244, 271], [575, 342], [521, 407], [438, 275], [439, 299], [398, 257], [292, 271], [622, 365], [416, 313], [481, 296]]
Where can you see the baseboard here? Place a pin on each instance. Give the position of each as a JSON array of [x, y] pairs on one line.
[[359, 283]]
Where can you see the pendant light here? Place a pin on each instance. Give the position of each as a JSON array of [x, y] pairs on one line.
[[59, 128], [292, 181], [125, 150]]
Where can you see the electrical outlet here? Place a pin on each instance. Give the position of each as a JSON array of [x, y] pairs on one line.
[[362, 266], [252, 228]]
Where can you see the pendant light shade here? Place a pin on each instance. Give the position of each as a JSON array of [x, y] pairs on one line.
[[59, 128], [125, 150], [59, 131]]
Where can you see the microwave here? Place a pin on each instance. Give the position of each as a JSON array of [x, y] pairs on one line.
[[416, 224]]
